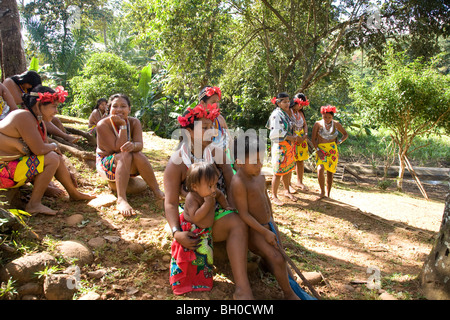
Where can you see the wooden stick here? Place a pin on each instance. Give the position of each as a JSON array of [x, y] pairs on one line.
[[305, 281], [413, 173]]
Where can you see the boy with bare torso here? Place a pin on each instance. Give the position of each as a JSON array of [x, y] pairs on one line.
[[250, 196]]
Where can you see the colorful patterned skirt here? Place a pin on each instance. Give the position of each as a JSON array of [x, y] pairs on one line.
[[301, 149], [16, 173], [106, 167], [191, 270], [331, 158], [283, 158]]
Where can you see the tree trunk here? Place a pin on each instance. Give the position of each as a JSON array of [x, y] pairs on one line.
[[12, 56], [435, 275], [401, 171]]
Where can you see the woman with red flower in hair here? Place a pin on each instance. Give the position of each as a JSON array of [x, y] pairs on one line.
[[301, 130], [324, 138], [196, 146], [27, 156], [283, 140]]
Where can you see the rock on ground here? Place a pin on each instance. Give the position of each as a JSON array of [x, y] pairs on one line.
[[24, 269], [77, 250], [60, 287]]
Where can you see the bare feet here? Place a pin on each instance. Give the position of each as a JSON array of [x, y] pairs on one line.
[[54, 192], [159, 194], [320, 197], [124, 208], [79, 196], [290, 196], [277, 201], [39, 208], [302, 187]]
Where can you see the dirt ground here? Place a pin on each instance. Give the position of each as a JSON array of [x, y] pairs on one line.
[[357, 234]]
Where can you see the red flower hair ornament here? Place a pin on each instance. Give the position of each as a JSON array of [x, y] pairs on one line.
[[327, 109], [47, 97], [300, 102], [274, 100], [211, 112], [210, 91]]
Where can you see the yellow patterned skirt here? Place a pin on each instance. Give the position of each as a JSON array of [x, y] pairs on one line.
[[331, 158], [301, 149], [16, 173]]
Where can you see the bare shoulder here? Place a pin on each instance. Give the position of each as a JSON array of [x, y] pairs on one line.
[[134, 121], [103, 122], [22, 115]]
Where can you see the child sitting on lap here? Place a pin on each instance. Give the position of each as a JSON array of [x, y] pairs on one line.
[[191, 270], [252, 202]]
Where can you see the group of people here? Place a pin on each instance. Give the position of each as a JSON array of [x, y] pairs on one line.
[[207, 197], [220, 205], [289, 144]]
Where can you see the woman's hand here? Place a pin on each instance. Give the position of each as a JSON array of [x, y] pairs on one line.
[[127, 147], [118, 120], [187, 239], [321, 154]]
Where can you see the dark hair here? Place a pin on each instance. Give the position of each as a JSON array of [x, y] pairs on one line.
[[30, 77], [252, 144], [200, 171], [117, 96], [30, 100], [300, 96], [280, 96], [99, 102], [201, 96]]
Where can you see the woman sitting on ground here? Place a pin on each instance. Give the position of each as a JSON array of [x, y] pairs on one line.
[[26, 155], [119, 156], [23, 83], [100, 111]]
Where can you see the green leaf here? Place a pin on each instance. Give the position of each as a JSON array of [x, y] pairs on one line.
[[144, 81], [34, 64]]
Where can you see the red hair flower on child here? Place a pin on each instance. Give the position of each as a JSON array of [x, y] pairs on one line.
[[210, 91]]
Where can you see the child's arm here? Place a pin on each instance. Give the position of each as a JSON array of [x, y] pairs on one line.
[[199, 212], [222, 200], [239, 192]]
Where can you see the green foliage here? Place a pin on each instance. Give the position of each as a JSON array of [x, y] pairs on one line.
[[408, 98], [8, 290], [34, 64], [104, 75]]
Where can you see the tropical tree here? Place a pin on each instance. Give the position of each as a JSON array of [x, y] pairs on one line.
[[411, 99], [103, 75], [12, 56], [190, 37], [61, 33]]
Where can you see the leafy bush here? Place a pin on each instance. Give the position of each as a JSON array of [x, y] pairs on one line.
[[104, 74]]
